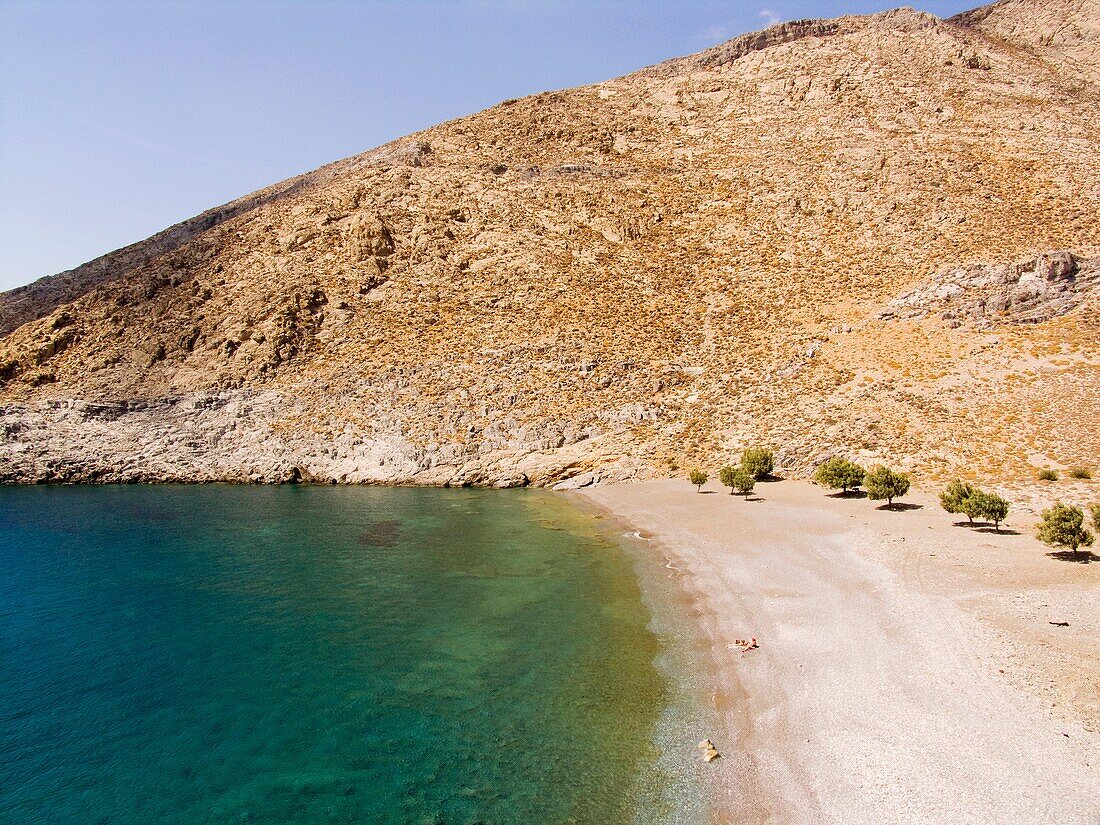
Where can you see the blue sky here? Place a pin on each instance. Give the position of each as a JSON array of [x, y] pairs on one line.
[[118, 119]]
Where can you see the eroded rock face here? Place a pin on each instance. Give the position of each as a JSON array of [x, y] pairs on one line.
[[630, 278], [249, 437], [1032, 291]]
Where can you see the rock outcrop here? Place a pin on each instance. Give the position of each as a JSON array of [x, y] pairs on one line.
[[779, 240], [986, 295]]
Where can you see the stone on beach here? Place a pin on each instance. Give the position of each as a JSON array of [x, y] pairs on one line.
[[710, 753]]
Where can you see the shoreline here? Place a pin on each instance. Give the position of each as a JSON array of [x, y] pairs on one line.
[[716, 687], [906, 669], [680, 608]]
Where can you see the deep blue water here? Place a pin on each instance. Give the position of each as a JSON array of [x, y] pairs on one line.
[[225, 654]]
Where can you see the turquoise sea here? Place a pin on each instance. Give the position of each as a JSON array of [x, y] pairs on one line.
[[220, 654]]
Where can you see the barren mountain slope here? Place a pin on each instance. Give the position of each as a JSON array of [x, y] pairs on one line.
[[1062, 31], [807, 237]]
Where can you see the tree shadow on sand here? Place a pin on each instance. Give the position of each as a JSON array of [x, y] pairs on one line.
[[1081, 556], [986, 527], [848, 494], [754, 498], [900, 507]]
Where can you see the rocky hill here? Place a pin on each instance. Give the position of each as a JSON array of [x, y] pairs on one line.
[[877, 235]]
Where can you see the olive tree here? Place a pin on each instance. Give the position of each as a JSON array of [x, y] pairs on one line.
[[954, 499], [883, 483], [738, 479], [726, 476], [971, 506], [990, 506], [1095, 510], [839, 474], [758, 461], [742, 481], [1063, 526], [698, 478]]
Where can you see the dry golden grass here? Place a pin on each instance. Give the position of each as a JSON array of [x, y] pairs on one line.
[[683, 260]]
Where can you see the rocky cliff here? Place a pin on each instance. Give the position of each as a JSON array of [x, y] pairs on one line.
[[875, 235]]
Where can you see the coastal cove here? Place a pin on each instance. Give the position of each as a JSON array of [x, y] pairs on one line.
[[716, 443], [320, 654]]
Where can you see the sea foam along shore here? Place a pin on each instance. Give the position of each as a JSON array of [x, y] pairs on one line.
[[908, 670]]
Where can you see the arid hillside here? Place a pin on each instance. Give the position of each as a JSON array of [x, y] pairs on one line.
[[875, 235]]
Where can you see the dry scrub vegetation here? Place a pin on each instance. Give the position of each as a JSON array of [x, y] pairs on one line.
[[620, 279]]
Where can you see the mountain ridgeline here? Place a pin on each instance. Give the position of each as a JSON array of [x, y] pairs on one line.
[[873, 236]]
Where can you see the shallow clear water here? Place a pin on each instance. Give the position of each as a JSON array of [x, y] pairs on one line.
[[313, 654]]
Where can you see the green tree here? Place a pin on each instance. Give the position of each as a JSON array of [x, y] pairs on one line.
[[971, 506], [738, 479], [954, 497], [698, 478], [1095, 510], [742, 481], [725, 475], [990, 506], [1063, 526], [839, 474], [758, 461], [883, 483]]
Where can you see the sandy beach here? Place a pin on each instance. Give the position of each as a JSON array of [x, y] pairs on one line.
[[908, 670]]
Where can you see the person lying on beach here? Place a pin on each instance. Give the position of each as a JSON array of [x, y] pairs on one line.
[[746, 644]]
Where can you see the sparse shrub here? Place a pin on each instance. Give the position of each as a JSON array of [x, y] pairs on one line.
[[953, 499], [883, 483], [1080, 472], [1063, 526], [839, 474], [698, 478], [1048, 475], [758, 461], [990, 506]]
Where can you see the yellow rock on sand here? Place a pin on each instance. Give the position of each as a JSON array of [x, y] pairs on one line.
[[710, 753]]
